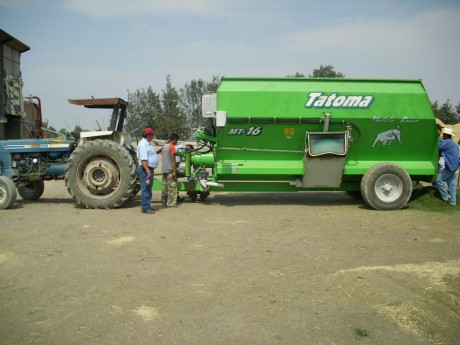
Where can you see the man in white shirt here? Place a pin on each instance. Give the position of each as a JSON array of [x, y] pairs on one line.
[[148, 160]]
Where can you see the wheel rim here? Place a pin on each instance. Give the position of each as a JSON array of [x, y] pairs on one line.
[[388, 187], [2, 193], [98, 176]]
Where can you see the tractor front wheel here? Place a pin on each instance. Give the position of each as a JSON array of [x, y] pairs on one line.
[[8, 192], [32, 190], [101, 174]]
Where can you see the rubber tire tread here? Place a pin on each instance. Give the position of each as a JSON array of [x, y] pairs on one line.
[[102, 148], [11, 192], [33, 191], [368, 186], [136, 190], [137, 185]]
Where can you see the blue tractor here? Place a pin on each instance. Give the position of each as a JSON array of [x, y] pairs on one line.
[[25, 163], [99, 167]]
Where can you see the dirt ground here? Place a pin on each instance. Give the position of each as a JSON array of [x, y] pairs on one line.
[[259, 268]]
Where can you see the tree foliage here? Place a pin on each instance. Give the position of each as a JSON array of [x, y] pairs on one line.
[[326, 72], [144, 110], [64, 132], [190, 96], [296, 75], [171, 111], [173, 116], [446, 112], [75, 133]]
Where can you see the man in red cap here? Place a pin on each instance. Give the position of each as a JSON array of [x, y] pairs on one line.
[[148, 160]]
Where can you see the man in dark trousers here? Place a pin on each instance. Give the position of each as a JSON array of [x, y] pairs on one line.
[[148, 160], [446, 177]]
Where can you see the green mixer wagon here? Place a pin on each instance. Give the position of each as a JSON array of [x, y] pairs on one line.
[[375, 137]]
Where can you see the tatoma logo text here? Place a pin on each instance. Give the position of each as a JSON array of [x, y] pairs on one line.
[[321, 100]]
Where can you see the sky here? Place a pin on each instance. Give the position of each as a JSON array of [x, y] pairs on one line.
[[107, 48]]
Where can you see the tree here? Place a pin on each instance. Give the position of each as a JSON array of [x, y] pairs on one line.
[[76, 132], [435, 109], [170, 111], [321, 72], [326, 72], [296, 75], [173, 119], [144, 111], [65, 132], [446, 112], [190, 100]]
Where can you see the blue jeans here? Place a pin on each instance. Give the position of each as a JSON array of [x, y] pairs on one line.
[[146, 189], [446, 178]]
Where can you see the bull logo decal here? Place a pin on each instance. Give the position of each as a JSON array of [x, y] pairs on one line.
[[387, 137]]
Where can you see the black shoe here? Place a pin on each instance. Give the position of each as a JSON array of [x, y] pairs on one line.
[[147, 212]]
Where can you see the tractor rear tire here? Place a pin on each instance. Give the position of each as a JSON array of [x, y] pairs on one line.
[[101, 174], [32, 190], [8, 193], [386, 186], [136, 190]]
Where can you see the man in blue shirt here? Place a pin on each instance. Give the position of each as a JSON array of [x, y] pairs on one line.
[[148, 160], [446, 177], [441, 158]]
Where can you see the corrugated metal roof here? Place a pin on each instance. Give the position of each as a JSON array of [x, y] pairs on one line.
[[6, 38]]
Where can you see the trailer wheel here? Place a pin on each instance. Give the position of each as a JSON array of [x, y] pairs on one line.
[[101, 174], [204, 196], [8, 193], [386, 186], [192, 195], [32, 190]]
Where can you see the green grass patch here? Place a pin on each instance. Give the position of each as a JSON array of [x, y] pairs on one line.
[[360, 332], [427, 198]]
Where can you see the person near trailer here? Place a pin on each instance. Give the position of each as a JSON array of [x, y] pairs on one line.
[[441, 164], [147, 162], [179, 148], [168, 161], [446, 181], [458, 172]]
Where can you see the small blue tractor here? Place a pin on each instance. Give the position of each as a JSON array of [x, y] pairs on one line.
[[99, 167]]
